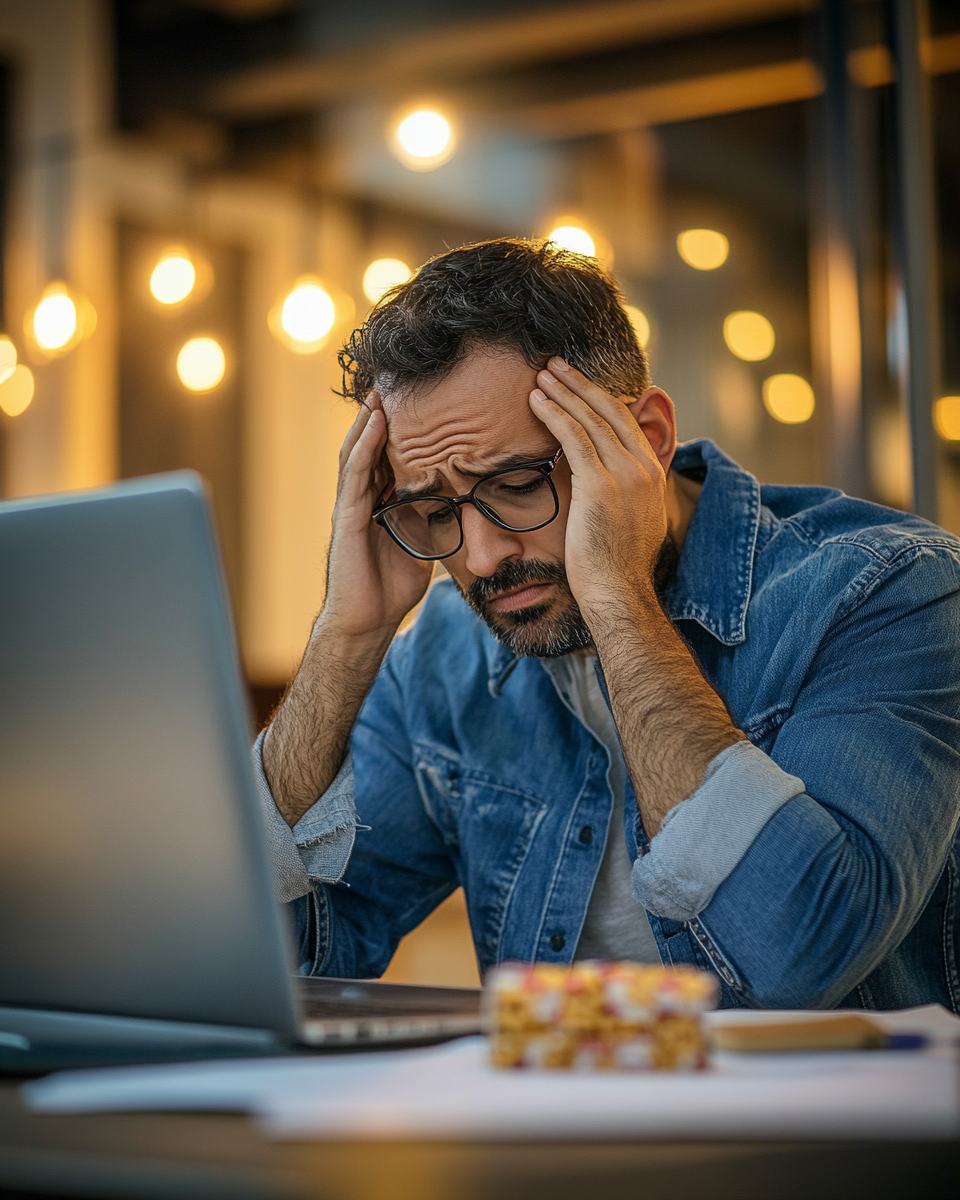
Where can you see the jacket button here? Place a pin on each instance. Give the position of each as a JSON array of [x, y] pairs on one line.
[[557, 942], [586, 835]]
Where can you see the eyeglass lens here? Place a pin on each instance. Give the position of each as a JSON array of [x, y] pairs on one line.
[[520, 500]]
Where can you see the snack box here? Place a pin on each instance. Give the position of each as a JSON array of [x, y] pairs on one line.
[[598, 1016]]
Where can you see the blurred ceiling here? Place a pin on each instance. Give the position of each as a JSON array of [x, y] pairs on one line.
[[242, 61], [243, 82], [444, 50]]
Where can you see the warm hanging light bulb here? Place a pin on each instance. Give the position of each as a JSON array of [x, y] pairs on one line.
[[303, 319], [60, 319], [201, 364], [174, 277], [703, 249], [946, 418], [55, 321], [307, 314], [423, 139], [382, 275], [640, 323], [8, 358], [573, 237], [788, 399], [16, 391], [749, 335]]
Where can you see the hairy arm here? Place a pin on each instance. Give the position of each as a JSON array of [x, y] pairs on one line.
[[671, 721], [307, 739]]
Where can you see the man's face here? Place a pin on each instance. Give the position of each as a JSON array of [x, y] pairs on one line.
[[439, 442]]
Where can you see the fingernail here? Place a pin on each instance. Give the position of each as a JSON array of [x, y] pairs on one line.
[[536, 394], [559, 364], [545, 375]]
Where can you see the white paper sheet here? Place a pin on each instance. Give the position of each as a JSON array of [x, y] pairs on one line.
[[450, 1092]]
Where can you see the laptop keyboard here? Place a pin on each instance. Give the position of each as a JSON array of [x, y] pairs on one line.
[[348, 1011]]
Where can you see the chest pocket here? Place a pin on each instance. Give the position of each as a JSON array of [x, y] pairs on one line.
[[488, 827]]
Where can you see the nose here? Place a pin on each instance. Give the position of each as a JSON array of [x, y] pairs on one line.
[[486, 545]]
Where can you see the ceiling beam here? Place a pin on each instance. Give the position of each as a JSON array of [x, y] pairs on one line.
[[680, 100], [724, 92], [452, 51]]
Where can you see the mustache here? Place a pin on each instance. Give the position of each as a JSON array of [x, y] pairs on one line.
[[514, 575]]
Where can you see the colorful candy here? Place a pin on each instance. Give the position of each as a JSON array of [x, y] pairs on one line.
[[598, 1016]]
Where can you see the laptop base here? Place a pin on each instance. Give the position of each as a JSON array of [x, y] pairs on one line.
[[33, 1041]]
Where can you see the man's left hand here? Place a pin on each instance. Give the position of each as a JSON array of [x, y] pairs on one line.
[[671, 722], [618, 515]]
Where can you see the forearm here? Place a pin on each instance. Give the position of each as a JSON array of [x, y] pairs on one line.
[[307, 740], [672, 723]]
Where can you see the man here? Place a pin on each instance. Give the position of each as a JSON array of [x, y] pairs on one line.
[[653, 712]]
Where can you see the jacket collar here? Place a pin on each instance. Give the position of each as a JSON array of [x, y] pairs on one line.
[[714, 579]]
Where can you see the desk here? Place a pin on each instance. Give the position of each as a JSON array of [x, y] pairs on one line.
[[224, 1157]]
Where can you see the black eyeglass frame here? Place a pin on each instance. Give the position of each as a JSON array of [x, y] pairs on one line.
[[545, 466]]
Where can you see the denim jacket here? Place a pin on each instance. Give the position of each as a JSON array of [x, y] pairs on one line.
[[817, 866]]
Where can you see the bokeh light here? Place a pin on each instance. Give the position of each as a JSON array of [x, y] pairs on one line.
[[8, 358], [307, 314], [382, 275], [749, 335], [54, 320], [788, 399], [173, 278], [424, 139], [703, 249], [16, 391], [946, 418], [201, 364], [640, 323], [573, 237]]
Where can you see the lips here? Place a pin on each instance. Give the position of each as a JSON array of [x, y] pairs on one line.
[[524, 597]]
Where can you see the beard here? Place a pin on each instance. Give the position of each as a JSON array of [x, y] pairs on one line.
[[556, 628]]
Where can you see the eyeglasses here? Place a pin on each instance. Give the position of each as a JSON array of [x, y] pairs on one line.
[[520, 499]]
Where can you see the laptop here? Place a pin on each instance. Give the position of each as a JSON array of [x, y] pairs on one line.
[[138, 918]]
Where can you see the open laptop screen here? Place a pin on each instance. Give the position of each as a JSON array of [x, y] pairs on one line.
[[133, 876]]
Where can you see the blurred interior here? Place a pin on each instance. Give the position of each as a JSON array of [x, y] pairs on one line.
[[260, 143]]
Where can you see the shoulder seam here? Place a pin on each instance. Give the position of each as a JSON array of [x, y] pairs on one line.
[[911, 542]]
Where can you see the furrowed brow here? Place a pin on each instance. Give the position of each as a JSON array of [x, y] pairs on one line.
[[504, 464], [430, 489], [499, 464]]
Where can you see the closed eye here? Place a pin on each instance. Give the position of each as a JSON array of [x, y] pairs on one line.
[[523, 489], [441, 516]]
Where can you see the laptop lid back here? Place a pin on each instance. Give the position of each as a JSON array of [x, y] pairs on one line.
[[133, 870]]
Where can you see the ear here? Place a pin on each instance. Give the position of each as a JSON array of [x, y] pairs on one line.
[[653, 411]]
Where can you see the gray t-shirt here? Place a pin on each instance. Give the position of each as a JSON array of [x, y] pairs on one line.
[[616, 926]]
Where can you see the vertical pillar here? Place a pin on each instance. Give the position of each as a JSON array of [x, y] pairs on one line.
[[915, 239], [834, 288]]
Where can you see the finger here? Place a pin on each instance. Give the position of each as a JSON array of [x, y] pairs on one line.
[[357, 477], [612, 408], [367, 406], [579, 448], [608, 443], [353, 436]]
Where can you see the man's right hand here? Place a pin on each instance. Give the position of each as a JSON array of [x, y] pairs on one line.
[[371, 583], [371, 586]]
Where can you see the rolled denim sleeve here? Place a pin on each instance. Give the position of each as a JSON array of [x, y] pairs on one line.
[[702, 840], [318, 847]]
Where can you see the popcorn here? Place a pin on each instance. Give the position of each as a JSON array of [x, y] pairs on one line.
[[598, 1016]]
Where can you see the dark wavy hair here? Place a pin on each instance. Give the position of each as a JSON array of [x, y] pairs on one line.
[[530, 296]]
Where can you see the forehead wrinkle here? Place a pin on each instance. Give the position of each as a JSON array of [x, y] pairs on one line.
[[450, 448], [454, 427], [450, 455]]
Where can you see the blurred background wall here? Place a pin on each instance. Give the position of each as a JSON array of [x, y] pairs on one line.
[[201, 198]]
